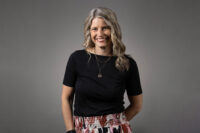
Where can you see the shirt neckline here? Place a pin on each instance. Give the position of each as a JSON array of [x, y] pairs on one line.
[[103, 56]]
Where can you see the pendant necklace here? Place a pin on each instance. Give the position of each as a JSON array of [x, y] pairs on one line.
[[100, 68]]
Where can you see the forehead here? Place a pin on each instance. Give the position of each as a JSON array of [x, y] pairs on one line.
[[98, 22]]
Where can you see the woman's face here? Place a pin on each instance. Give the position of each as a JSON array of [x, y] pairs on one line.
[[100, 33]]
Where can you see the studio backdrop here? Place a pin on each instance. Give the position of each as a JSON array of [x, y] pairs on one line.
[[37, 37]]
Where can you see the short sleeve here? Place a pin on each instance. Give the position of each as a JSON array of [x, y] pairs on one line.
[[70, 72], [133, 84]]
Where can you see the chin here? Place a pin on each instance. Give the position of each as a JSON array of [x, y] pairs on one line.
[[101, 44]]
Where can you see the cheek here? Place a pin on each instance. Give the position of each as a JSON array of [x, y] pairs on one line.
[[108, 33], [92, 36]]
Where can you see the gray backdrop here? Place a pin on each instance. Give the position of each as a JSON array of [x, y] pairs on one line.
[[37, 37]]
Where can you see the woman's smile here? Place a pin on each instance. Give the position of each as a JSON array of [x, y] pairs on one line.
[[101, 40]]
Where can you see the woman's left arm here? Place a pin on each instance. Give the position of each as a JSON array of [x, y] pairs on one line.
[[134, 107]]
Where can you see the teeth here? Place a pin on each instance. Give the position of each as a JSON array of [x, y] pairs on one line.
[[100, 39]]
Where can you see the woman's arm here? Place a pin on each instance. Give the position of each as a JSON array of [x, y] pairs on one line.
[[67, 102], [134, 107]]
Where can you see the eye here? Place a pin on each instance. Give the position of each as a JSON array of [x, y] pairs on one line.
[[93, 29], [106, 27]]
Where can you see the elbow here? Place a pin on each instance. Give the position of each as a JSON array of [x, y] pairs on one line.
[[67, 99], [136, 103], [136, 108], [67, 94]]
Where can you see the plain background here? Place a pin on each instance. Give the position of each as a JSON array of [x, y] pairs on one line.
[[37, 37]]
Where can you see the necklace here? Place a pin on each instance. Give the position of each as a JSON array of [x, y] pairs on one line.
[[100, 68]]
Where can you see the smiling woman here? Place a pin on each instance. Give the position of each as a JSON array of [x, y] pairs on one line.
[[98, 77]]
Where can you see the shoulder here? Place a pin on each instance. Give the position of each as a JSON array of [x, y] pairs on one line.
[[130, 58], [78, 56], [133, 64], [78, 53]]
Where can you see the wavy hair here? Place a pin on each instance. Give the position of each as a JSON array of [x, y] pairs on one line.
[[118, 47]]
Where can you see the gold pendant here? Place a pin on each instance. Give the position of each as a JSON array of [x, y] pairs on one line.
[[99, 75]]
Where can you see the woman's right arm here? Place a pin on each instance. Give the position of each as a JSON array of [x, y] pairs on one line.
[[67, 102]]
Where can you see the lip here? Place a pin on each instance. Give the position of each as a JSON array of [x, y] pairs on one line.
[[103, 39], [100, 38]]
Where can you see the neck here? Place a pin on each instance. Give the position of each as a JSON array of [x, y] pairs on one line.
[[105, 51]]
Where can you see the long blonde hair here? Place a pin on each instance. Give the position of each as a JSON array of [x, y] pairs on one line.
[[118, 47]]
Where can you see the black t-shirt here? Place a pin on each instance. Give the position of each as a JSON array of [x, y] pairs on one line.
[[99, 96]]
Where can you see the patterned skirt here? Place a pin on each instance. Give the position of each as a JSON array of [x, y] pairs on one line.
[[111, 123]]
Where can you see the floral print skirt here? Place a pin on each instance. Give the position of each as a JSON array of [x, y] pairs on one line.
[[111, 123]]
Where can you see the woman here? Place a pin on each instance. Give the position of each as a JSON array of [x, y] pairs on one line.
[[98, 76]]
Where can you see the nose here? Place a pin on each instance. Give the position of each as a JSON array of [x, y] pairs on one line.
[[100, 32]]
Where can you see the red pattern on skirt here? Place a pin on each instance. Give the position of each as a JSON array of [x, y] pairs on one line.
[[111, 123]]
